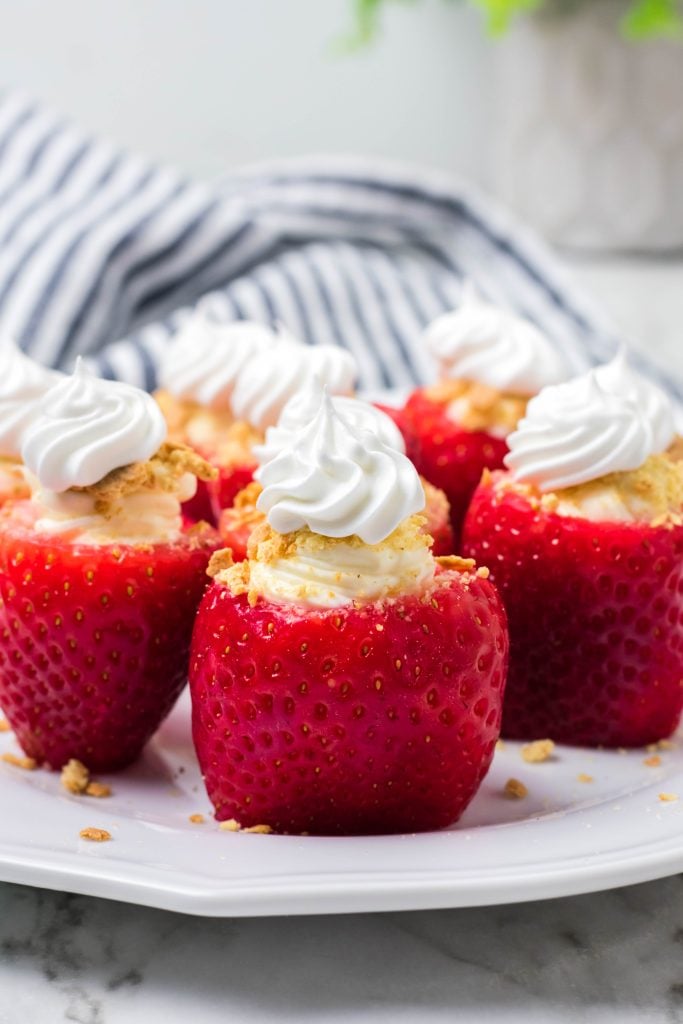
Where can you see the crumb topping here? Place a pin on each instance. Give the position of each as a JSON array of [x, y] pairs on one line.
[[651, 493], [268, 547], [538, 751], [160, 473], [231, 825], [95, 835], [478, 406], [515, 789]]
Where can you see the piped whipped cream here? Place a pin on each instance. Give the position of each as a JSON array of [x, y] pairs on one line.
[[23, 382], [205, 359], [86, 427], [339, 481], [605, 421], [483, 343], [302, 409], [267, 385]]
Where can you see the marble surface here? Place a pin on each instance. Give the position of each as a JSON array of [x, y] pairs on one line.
[[614, 957]]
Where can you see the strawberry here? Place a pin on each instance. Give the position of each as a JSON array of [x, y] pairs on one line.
[[360, 719], [438, 525], [199, 509], [447, 455], [230, 481], [95, 639], [596, 620]]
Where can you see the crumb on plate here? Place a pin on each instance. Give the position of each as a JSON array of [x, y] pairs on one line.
[[75, 776], [197, 819], [515, 789], [668, 798], [653, 762], [583, 777], [27, 763], [4, 725], [231, 825], [95, 835], [98, 789], [538, 751]]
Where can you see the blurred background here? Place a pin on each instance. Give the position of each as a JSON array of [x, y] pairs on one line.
[[576, 127]]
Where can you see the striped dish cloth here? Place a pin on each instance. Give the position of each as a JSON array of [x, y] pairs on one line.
[[103, 253]]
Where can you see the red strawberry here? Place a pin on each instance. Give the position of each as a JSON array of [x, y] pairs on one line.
[[353, 720], [596, 621], [200, 507], [449, 456], [95, 639], [438, 525], [231, 480]]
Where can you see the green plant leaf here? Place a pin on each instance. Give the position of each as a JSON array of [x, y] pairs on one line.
[[499, 13], [649, 18]]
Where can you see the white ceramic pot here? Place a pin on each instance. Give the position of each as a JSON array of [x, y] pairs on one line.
[[589, 134]]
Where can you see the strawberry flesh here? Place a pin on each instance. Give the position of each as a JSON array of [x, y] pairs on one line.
[[377, 718], [595, 612], [95, 639]]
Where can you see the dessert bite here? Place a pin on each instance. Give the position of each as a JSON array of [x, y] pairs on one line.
[[99, 581], [584, 536], [343, 680], [23, 382], [224, 384], [490, 362], [237, 523]]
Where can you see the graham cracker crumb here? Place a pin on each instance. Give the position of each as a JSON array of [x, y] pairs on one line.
[[583, 777], [219, 562], [261, 830], [653, 762], [231, 825], [75, 776], [99, 790], [538, 751], [668, 798], [651, 748], [197, 819], [500, 744], [95, 835], [515, 789], [161, 472], [27, 763], [4, 725], [455, 562], [479, 407], [483, 572], [666, 745]]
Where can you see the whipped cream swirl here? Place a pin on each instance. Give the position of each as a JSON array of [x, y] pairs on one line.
[[302, 408], [339, 481], [23, 382], [87, 427], [205, 358], [581, 431], [481, 342], [619, 378], [266, 385]]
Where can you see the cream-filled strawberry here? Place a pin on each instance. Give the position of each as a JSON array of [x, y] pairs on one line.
[[237, 522], [343, 680], [99, 581], [23, 382], [584, 536], [223, 385], [490, 362]]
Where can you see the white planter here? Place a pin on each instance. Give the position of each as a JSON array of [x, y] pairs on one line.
[[589, 134]]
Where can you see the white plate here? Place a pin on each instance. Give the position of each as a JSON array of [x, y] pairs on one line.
[[566, 837]]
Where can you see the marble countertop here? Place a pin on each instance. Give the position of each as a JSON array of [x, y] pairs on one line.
[[613, 957]]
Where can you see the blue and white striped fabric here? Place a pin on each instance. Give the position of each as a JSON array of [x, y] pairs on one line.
[[102, 253]]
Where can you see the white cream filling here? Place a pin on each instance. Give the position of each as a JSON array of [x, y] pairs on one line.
[[343, 574], [605, 504], [147, 517], [12, 482]]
